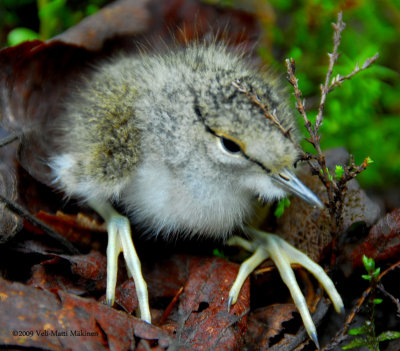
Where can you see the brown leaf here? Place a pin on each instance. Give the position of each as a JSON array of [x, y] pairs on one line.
[[164, 278], [167, 275], [52, 279], [266, 323], [9, 222], [203, 320], [81, 324], [78, 274], [279, 327], [153, 22], [126, 297], [79, 229], [34, 79], [120, 18], [382, 242]]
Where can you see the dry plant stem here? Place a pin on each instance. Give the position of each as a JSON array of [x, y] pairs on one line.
[[20, 211], [10, 138], [350, 172], [314, 137], [337, 37], [391, 297], [342, 334], [171, 305], [336, 189], [271, 115]]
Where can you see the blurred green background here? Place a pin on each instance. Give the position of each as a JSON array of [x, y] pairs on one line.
[[363, 115]]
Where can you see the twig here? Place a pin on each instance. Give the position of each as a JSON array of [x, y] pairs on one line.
[[342, 334], [171, 305], [333, 57], [311, 129], [391, 297], [20, 211], [268, 114], [338, 79], [10, 138], [336, 188]]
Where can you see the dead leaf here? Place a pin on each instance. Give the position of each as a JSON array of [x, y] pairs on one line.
[[10, 223], [278, 327], [120, 18], [202, 320], [78, 229], [382, 242], [34, 79], [58, 322]]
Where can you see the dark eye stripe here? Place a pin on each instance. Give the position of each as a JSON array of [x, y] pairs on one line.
[[267, 170], [198, 113]]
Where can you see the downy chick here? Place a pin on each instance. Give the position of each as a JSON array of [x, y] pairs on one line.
[[172, 139]]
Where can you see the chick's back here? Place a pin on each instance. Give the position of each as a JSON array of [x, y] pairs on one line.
[[100, 142]]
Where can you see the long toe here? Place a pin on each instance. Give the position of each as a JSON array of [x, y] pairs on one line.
[[120, 240], [113, 250], [245, 269], [283, 255]]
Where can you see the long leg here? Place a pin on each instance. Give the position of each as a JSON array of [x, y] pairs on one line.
[[120, 240]]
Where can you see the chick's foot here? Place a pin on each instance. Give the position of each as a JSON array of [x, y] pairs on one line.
[[265, 245]]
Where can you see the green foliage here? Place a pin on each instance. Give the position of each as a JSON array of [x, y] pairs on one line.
[[21, 34], [219, 253], [389, 335], [366, 333], [364, 114], [369, 160], [369, 340], [280, 207], [369, 265], [50, 18], [339, 172], [328, 173]]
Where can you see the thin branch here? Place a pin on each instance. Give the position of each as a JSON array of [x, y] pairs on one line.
[[338, 80], [336, 188], [300, 104], [314, 138], [271, 115], [395, 300], [10, 138], [333, 57], [20, 211], [342, 334]]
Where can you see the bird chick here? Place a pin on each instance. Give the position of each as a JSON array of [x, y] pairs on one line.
[[172, 139]]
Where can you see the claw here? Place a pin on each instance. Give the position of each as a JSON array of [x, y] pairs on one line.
[[269, 245], [314, 338], [230, 303], [120, 240], [245, 269]]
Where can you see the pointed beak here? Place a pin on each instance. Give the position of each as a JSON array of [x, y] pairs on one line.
[[290, 183]]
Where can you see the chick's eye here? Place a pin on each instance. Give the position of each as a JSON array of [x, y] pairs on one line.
[[230, 146]]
